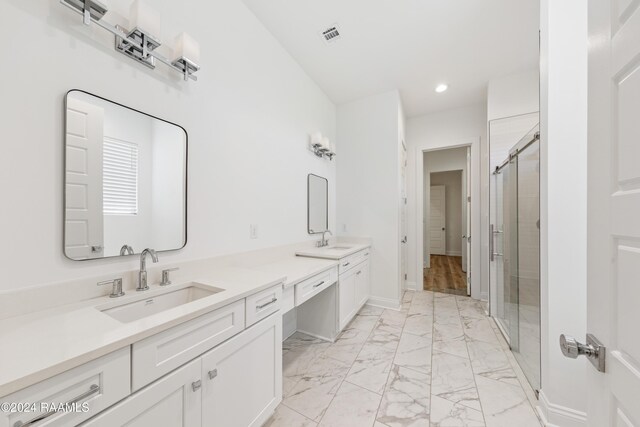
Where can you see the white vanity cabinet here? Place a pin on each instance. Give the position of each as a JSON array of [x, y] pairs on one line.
[[354, 285], [231, 379], [242, 378]]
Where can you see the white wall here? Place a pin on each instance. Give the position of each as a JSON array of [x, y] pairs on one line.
[[513, 95], [452, 127], [248, 117], [369, 130], [433, 162], [563, 225], [452, 182]]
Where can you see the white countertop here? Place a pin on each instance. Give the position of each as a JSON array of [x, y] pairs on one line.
[[333, 251], [297, 268], [40, 345]]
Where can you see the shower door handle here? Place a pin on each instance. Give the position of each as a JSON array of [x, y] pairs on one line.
[[492, 255]]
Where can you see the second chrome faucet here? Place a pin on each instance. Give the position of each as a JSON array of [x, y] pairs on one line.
[[142, 274]]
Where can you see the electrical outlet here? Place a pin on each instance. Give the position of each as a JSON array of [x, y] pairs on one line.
[[253, 231]]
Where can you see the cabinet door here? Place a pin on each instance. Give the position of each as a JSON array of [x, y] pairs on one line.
[[172, 401], [362, 284], [242, 378], [347, 296]]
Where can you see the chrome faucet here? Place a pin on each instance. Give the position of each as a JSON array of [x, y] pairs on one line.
[[324, 242], [126, 250], [142, 274]]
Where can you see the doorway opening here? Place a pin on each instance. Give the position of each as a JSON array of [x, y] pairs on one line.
[[446, 219], [447, 232]]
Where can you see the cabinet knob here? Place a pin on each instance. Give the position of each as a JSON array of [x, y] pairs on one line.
[[196, 385], [212, 373]]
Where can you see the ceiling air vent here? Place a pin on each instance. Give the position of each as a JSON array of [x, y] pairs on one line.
[[331, 34]]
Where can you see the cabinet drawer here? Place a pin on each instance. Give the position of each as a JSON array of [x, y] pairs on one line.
[[161, 353], [263, 303], [95, 386], [314, 285], [288, 299], [351, 261]]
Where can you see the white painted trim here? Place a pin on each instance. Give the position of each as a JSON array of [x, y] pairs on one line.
[[384, 303], [484, 296], [553, 415], [454, 253], [476, 223], [411, 286]]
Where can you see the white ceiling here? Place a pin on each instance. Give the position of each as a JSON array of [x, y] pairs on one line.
[[410, 45]]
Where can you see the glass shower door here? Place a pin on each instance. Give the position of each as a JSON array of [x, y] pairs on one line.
[[526, 275], [516, 253]]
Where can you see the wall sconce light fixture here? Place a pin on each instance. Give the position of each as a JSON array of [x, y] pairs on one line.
[[142, 39], [321, 146]]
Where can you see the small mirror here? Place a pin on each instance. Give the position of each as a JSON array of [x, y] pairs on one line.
[[125, 180], [317, 204]]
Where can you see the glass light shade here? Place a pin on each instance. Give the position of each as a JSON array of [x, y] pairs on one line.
[[186, 47], [145, 18], [316, 138]]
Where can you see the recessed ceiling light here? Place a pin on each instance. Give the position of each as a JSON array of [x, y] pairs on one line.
[[441, 88]]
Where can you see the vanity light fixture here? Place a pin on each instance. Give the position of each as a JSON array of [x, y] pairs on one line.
[[142, 39], [321, 146], [441, 88]]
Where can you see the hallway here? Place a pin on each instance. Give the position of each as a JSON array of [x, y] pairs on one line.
[[438, 362], [445, 275]]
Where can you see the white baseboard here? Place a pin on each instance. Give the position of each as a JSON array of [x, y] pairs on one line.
[[411, 286], [384, 303], [484, 296], [553, 415], [454, 253]]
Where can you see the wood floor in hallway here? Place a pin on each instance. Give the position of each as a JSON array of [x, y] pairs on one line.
[[445, 275]]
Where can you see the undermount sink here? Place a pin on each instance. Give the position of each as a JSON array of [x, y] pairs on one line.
[[159, 302]]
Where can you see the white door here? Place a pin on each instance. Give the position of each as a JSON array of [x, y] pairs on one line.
[[466, 247], [172, 401], [613, 287], [403, 217], [84, 233], [242, 378], [437, 216]]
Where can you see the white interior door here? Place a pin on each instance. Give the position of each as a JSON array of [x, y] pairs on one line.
[[466, 247], [403, 216], [437, 220], [84, 233], [613, 288]]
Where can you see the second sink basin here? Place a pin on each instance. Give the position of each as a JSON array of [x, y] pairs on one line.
[[159, 302]]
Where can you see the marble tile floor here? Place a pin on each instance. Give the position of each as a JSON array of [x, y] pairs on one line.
[[438, 362]]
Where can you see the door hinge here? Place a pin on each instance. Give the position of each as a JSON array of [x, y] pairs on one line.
[[405, 276]]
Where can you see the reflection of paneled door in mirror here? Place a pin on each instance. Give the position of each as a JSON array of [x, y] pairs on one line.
[[84, 235]]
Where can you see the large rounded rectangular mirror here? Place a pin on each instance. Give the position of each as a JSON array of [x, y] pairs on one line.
[[125, 180]]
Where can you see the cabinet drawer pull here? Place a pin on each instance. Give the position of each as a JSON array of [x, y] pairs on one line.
[[196, 385], [345, 264], [319, 284], [92, 390], [260, 307], [358, 272], [212, 373], [367, 254]]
